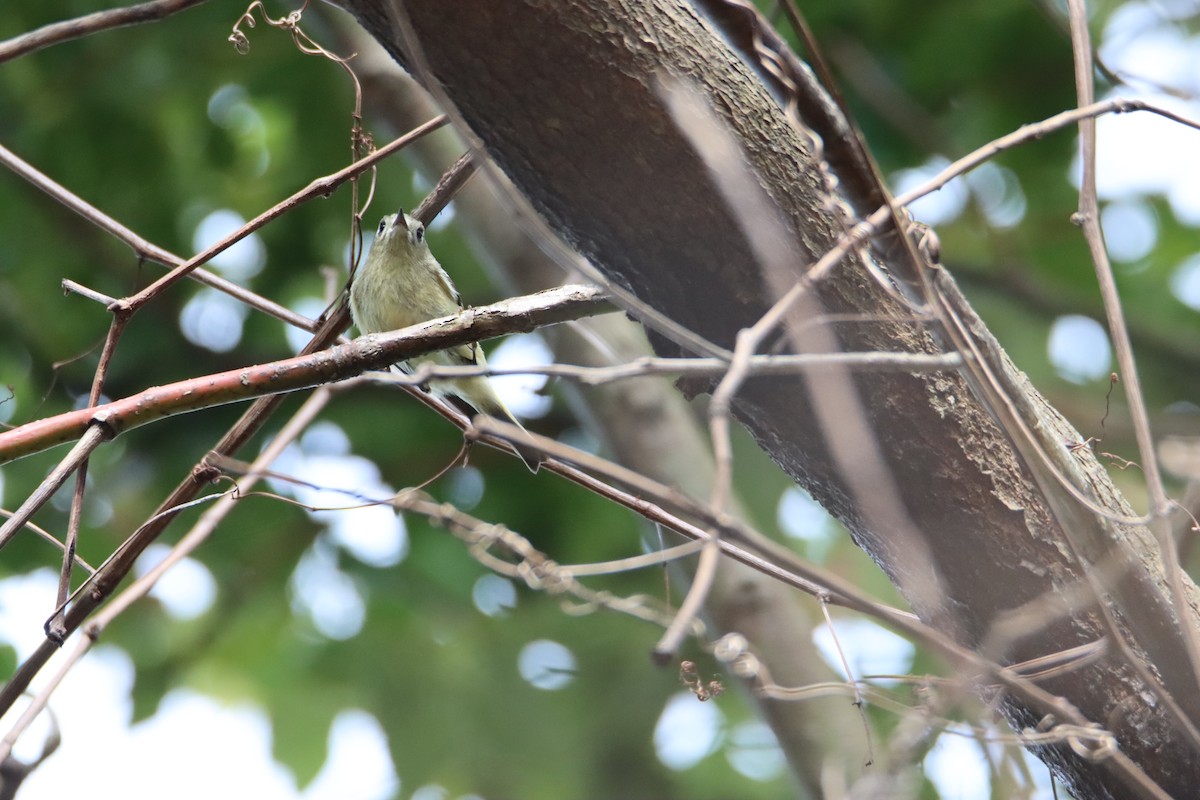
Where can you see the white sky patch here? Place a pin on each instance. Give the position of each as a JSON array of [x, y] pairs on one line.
[[242, 260], [348, 493], [1143, 153], [754, 751], [1130, 229], [687, 731], [1185, 282], [546, 665], [444, 217], [326, 595], [995, 189], [186, 590], [373, 534], [213, 320], [521, 392], [297, 338], [465, 487], [325, 438], [19, 595], [238, 737], [336, 481], [359, 766], [494, 595], [869, 648], [1141, 43], [430, 791], [801, 517], [956, 767], [998, 193], [940, 207], [1078, 348], [145, 760], [230, 108]]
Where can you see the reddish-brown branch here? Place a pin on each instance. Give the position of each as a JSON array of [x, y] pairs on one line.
[[325, 366]]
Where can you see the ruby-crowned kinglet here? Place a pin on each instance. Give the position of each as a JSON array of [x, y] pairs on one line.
[[402, 284]]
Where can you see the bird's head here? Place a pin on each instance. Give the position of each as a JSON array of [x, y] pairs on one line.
[[402, 232]]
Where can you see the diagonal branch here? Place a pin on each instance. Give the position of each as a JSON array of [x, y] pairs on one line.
[[65, 31]]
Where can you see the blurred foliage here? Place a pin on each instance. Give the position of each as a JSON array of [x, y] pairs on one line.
[[132, 120]]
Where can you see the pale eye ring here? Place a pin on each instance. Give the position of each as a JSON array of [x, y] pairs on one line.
[[419, 232], [382, 225]]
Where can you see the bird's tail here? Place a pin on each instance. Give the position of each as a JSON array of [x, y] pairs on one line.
[[532, 458], [478, 392]]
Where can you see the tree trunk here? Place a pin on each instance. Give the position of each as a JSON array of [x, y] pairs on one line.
[[568, 99]]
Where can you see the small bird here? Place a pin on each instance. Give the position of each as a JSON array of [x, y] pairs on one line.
[[402, 284]]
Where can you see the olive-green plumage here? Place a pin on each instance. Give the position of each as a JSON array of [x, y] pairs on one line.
[[402, 284]]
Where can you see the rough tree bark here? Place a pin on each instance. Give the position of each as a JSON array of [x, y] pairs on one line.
[[565, 96]]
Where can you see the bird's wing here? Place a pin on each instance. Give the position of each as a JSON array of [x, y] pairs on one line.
[[447, 285], [464, 355], [467, 354]]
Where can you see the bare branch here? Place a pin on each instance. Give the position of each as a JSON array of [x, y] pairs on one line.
[[693, 367], [92, 433], [88, 24], [142, 248], [376, 351]]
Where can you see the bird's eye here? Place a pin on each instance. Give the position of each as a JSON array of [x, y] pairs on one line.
[[382, 225], [419, 233]]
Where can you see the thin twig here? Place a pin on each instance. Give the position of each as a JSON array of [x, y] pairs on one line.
[[65, 31], [36, 706], [1088, 219], [142, 248], [54, 627], [533, 567], [647, 366], [321, 187], [90, 439], [208, 522], [71, 286], [859, 702], [49, 537], [839, 590]]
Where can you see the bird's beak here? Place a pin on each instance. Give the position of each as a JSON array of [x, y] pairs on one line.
[[400, 220]]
